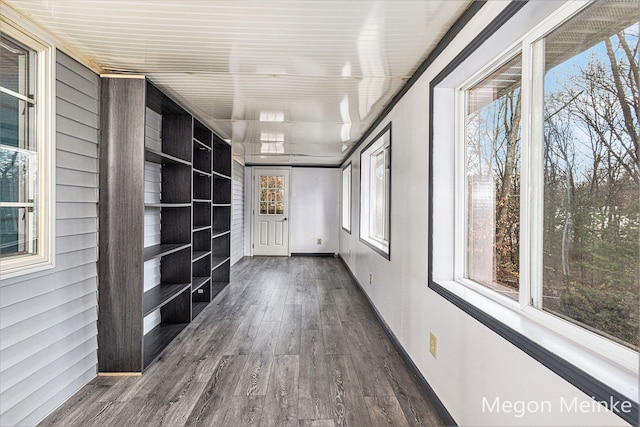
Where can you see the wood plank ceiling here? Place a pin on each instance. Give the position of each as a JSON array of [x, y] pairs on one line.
[[288, 82]]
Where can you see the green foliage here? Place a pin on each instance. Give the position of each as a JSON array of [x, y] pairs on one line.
[[604, 309]]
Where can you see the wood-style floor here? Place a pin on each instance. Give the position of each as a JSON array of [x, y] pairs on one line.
[[290, 341]]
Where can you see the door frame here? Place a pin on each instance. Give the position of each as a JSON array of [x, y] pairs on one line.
[[253, 203]]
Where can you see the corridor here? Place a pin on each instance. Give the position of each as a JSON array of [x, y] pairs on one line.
[[290, 341]]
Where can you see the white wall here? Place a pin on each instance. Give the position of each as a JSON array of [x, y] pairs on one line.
[[237, 212], [314, 203], [473, 362], [313, 211]]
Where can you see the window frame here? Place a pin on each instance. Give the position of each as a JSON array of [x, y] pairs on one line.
[[346, 201], [609, 378], [382, 140], [44, 258], [531, 46]]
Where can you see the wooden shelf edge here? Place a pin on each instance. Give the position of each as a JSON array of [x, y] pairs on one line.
[[216, 289], [217, 234], [198, 255], [198, 282], [196, 140], [158, 251], [220, 175], [156, 156], [197, 308], [167, 205], [216, 262], [158, 339], [160, 295], [202, 173]]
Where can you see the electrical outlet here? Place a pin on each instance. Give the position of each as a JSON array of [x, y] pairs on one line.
[[433, 345], [371, 279], [319, 241], [200, 291]]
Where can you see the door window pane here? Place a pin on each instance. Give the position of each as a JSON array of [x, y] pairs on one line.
[[271, 195], [591, 236], [493, 179]]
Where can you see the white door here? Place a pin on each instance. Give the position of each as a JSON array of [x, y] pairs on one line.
[[271, 211]]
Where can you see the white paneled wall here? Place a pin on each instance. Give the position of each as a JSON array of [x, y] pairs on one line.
[[237, 212], [48, 319], [152, 194]]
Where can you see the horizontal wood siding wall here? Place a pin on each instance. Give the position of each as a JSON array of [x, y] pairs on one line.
[[48, 320], [237, 212]]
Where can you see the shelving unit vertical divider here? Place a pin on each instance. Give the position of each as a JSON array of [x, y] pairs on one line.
[[221, 203], [201, 257]]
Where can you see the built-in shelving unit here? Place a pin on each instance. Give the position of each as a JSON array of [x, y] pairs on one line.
[[159, 224]]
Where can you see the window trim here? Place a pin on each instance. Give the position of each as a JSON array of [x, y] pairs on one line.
[[45, 118], [530, 213], [595, 373], [381, 247], [348, 199]]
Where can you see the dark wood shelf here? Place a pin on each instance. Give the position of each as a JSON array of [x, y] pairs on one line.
[[201, 173], [219, 233], [156, 297], [216, 289], [219, 175], [217, 262], [199, 282], [157, 339], [199, 255], [197, 308], [167, 205], [157, 251], [155, 156], [201, 145]]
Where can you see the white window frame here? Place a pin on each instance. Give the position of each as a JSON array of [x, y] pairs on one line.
[[380, 142], [44, 257], [532, 180], [346, 197]]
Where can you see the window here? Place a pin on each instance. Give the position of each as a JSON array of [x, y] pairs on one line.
[[346, 198], [492, 157], [375, 196], [550, 205], [26, 181], [271, 195]]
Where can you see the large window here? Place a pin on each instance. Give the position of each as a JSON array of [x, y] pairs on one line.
[[375, 192], [346, 198], [550, 189], [25, 153]]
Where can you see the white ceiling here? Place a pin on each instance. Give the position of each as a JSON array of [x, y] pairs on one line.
[[287, 82]]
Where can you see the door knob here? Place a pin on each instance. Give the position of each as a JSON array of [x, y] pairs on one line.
[[285, 219]]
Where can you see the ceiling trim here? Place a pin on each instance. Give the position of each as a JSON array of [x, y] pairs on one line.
[[457, 26], [30, 25]]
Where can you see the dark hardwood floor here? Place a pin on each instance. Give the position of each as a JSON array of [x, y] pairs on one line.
[[290, 341]]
